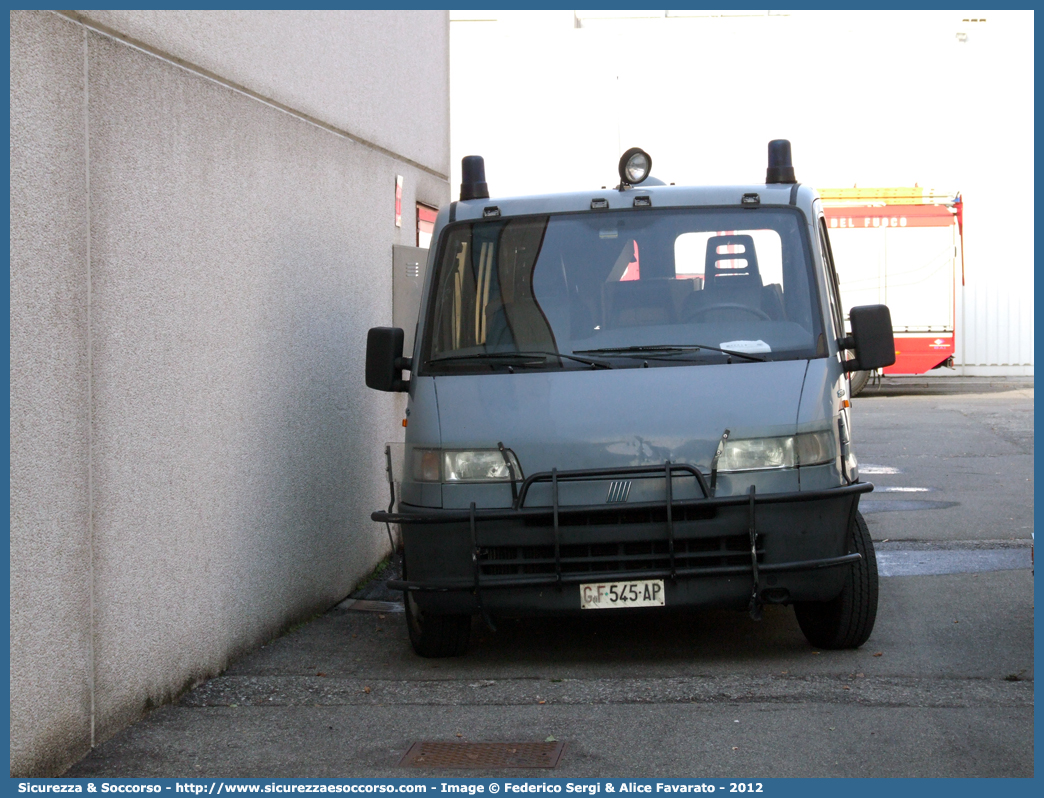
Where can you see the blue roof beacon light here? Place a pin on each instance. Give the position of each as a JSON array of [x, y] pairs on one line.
[[780, 167], [473, 178]]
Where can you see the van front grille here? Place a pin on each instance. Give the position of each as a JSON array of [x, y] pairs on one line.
[[626, 515], [643, 555]]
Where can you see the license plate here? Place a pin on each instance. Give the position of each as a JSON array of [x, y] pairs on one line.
[[611, 595]]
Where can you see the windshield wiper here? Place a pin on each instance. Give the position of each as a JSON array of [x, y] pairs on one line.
[[520, 358], [666, 350]]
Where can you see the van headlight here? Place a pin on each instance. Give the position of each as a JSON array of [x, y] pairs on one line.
[[470, 465], [787, 451]]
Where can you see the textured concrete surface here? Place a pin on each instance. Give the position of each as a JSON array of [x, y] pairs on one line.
[[973, 451], [380, 75], [755, 739], [655, 695], [943, 688], [194, 452], [50, 431]]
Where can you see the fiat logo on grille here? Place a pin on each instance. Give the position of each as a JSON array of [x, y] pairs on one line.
[[618, 490]]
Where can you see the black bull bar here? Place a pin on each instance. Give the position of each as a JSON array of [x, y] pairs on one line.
[[473, 516]]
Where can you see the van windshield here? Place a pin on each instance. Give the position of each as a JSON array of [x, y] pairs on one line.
[[622, 289]]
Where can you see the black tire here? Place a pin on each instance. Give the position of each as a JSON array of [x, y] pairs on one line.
[[436, 635], [848, 620], [858, 381]]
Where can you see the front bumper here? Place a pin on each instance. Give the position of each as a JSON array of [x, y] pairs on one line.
[[729, 551]]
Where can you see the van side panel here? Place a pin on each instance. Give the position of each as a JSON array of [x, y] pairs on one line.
[[422, 431], [820, 408]]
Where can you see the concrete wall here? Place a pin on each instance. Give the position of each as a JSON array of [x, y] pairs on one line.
[[50, 417], [202, 217], [379, 75]]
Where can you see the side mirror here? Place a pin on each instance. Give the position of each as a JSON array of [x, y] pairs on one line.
[[384, 360], [871, 338]]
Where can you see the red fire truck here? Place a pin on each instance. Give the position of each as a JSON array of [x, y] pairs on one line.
[[901, 247]]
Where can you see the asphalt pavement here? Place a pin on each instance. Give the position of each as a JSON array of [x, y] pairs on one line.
[[943, 688]]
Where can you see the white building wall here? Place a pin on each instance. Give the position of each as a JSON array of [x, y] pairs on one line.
[[867, 98], [367, 74], [194, 266], [51, 573]]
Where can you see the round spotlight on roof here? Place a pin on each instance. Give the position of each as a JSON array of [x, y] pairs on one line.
[[635, 165]]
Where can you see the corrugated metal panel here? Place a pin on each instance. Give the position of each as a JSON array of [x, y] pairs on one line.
[[995, 327], [995, 306]]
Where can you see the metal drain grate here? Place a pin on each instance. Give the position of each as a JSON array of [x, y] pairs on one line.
[[482, 755]]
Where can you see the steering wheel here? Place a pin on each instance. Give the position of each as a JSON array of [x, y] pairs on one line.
[[727, 306]]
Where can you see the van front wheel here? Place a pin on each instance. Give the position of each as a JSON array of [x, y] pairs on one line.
[[848, 620], [436, 635], [858, 381]]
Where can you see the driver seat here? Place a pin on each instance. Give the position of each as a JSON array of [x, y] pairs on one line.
[[731, 273]]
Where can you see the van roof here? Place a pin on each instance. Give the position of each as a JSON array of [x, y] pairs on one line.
[[658, 197]]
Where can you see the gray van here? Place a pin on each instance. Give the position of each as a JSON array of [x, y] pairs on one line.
[[632, 400]]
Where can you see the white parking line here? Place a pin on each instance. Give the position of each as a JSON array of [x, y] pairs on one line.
[[929, 563]]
